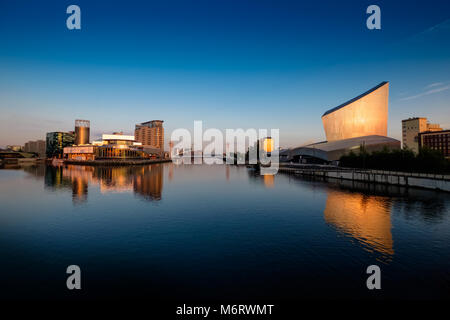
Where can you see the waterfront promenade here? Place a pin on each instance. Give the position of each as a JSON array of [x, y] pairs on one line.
[[407, 179]]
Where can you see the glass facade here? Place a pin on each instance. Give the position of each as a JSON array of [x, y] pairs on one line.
[[110, 152], [56, 141]]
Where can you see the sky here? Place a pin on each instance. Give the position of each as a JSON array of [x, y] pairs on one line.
[[230, 63]]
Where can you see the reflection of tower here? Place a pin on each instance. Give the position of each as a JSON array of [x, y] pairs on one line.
[[170, 147], [82, 128], [170, 172], [365, 218], [79, 189], [269, 180], [227, 172], [54, 178], [150, 183]]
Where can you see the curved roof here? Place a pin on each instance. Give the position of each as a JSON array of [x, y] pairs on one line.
[[352, 143], [305, 151], [356, 98]]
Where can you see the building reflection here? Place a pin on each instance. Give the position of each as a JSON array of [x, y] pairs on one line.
[[149, 182], [267, 180], [145, 181], [365, 218]]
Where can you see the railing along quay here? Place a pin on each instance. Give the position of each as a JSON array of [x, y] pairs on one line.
[[408, 179]]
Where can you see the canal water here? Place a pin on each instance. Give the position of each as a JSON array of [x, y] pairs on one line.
[[216, 232]]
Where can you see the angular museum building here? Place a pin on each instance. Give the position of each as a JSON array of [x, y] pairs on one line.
[[361, 121], [365, 115]]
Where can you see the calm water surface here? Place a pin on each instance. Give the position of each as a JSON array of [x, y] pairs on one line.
[[216, 232]]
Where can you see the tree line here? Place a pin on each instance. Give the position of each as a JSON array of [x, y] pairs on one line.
[[426, 161]]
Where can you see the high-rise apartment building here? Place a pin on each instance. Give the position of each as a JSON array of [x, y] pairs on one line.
[[150, 134], [410, 131], [37, 146]]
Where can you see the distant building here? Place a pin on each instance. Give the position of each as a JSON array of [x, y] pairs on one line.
[[150, 134], [410, 131], [9, 156], [37, 146], [57, 141], [82, 128], [14, 148], [437, 140]]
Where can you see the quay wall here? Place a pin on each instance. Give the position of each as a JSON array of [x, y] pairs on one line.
[[419, 180], [115, 162]]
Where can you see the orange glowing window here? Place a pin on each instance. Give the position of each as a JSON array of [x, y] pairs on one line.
[[268, 145]]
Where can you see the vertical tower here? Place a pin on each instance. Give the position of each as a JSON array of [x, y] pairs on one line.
[[82, 128]]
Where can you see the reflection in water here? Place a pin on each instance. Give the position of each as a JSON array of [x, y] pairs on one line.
[[170, 173], [146, 181], [365, 218], [149, 182], [79, 190], [361, 211], [269, 180], [317, 236], [428, 205]]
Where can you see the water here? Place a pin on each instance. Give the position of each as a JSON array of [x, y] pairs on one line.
[[216, 232]]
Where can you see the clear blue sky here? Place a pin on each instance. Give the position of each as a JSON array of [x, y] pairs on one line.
[[230, 63]]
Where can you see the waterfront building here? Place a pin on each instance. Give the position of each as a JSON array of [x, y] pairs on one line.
[[82, 130], [325, 152], [364, 115], [10, 156], [436, 140], [57, 141], [37, 146], [410, 131], [151, 135], [114, 146], [359, 122], [15, 148], [118, 138]]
